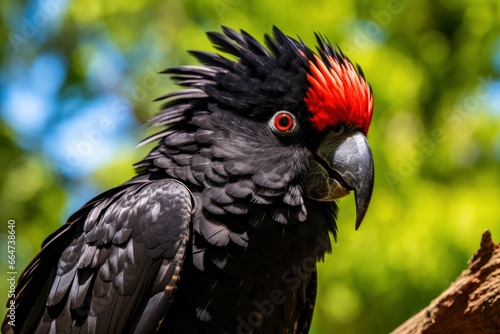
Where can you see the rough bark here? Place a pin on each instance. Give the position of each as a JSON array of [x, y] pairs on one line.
[[470, 305]]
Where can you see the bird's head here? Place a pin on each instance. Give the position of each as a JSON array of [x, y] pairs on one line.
[[279, 121]]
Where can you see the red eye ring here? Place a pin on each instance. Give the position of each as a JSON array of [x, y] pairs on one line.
[[283, 121]]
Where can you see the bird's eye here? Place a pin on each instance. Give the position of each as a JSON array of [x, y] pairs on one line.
[[338, 129], [283, 123]]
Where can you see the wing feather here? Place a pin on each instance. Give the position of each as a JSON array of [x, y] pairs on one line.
[[114, 267]]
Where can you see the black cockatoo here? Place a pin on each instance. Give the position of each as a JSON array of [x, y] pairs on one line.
[[221, 229]]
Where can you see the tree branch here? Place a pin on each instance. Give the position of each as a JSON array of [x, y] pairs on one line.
[[470, 305]]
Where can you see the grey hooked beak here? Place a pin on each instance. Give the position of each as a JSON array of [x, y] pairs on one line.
[[346, 164]]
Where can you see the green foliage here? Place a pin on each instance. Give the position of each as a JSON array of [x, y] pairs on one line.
[[435, 134]]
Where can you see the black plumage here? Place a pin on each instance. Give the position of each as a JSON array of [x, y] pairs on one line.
[[216, 233]]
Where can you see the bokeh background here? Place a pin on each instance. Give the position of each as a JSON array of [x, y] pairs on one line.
[[78, 77]]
